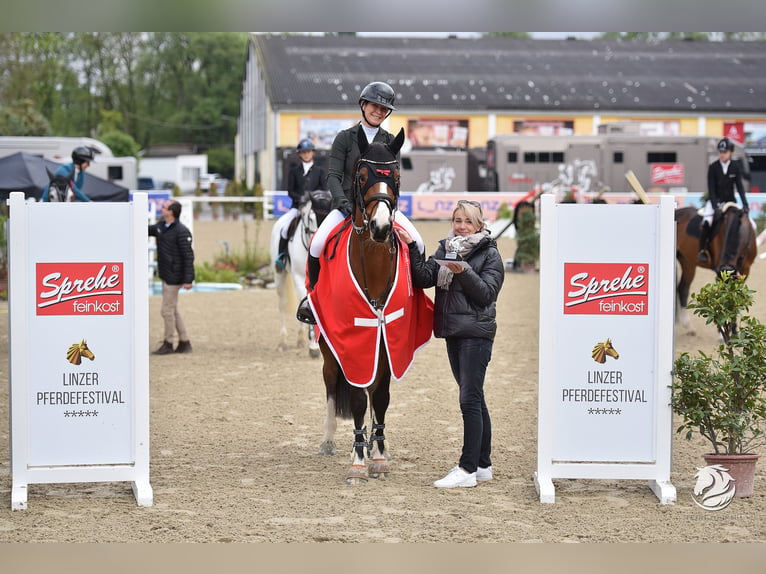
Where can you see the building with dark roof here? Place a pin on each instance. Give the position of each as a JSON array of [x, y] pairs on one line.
[[297, 86]]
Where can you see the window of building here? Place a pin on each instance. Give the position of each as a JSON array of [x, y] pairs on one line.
[[661, 157]]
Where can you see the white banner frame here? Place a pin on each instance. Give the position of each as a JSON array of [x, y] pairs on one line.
[[24, 353], [552, 460]]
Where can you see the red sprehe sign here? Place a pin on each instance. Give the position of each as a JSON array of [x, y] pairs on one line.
[[606, 288], [80, 289]]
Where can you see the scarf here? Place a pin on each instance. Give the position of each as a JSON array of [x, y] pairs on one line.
[[463, 246]]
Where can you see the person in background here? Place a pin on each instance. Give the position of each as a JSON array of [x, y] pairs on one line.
[[723, 175], [468, 273], [302, 179], [376, 103], [175, 266], [74, 172]]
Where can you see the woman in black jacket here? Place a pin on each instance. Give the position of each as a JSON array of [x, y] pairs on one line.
[[468, 272]]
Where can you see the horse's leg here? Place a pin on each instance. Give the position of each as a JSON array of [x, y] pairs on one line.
[[279, 284], [327, 447], [379, 463], [357, 473], [688, 269], [313, 345]]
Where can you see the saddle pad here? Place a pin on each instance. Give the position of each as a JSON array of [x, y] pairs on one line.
[[354, 330]]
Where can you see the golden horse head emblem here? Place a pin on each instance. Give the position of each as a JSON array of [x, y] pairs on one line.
[[602, 350], [76, 352]]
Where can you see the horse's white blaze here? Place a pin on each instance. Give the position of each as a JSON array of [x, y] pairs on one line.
[[382, 213]]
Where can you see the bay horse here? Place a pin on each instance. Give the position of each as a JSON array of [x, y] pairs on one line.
[[732, 248], [365, 310], [295, 269]]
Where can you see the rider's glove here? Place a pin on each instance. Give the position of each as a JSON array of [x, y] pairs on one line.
[[343, 205]]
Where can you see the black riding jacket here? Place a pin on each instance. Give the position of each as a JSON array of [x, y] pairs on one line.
[[175, 257], [467, 308], [343, 156], [721, 185], [298, 184]]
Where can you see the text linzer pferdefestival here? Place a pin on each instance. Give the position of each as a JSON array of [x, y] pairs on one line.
[[605, 289]]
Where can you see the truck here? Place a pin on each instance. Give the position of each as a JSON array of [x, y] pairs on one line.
[[120, 170], [589, 165]]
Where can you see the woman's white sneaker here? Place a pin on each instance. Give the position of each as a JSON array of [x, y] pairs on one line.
[[484, 474], [457, 478]]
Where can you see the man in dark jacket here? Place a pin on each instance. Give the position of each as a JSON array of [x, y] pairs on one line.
[[175, 266]]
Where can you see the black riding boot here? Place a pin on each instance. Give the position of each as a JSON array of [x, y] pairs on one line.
[[702, 256], [305, 315], [281, 261]]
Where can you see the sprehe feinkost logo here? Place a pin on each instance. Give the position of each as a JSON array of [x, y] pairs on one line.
[[79, 288]]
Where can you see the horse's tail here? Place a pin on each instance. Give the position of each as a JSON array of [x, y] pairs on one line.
[[342, 396]]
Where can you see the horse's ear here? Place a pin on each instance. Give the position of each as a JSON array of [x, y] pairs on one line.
[[398, 142], [51, 175], [361, 139]]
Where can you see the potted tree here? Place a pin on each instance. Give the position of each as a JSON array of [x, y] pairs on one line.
[[722, 395]]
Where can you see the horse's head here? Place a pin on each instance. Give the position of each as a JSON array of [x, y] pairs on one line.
[[58, 189], [602, 350], [736, 233], [76, 352], [714, 487], [376, 186]]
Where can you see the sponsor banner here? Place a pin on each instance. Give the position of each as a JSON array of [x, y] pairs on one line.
[[429, 205], [668, 174], [80, 289], [80, 319], [606, 288]]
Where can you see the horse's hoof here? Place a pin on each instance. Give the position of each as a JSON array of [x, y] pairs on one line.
[[379, 468], [327, 448], [314, 353], [357, 474]]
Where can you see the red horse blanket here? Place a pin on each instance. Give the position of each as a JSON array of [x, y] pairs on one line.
[[353, 328]]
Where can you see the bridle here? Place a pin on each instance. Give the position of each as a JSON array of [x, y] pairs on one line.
[[378, 172]]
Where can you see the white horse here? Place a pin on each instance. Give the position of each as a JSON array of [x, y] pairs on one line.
[[295, 270]]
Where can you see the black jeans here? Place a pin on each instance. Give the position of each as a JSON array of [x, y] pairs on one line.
[[468, 359]]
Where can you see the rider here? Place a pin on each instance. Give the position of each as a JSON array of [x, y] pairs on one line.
[[302, 179], [376, 103], [722, 176], [82, 157]]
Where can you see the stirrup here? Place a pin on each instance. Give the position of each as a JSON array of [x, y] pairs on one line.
[[280, 262], [304, 313]]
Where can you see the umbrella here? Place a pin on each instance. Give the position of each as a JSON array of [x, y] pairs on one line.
[[26, 172]]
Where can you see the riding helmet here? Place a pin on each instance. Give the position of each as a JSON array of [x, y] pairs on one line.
[[725, 145], [378, 93], [81, 154], [305, 144]]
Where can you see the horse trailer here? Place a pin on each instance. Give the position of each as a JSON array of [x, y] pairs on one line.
[[588, 165], [120, 170]]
